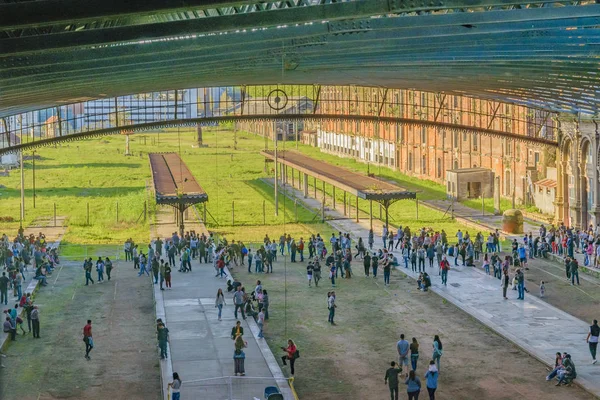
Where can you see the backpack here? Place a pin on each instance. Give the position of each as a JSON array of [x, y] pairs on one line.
[[297, 354]]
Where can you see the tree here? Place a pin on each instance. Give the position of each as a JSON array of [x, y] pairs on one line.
[[122, 117]]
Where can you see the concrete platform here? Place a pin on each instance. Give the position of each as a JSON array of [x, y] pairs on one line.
[[535, 326], [201, 349]]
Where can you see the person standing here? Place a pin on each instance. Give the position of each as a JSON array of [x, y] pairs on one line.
[[168, 275], [163, 338], [387, 269], [162, 271], [265, 302], [220, 302], [155, 269], [391, 378], [371, 239], [239, 357], [574, 269], [109, 266], [87, 339], [100, 269], [505, 283], [437, 350], [35, 322], [175, 387], [250, 261], [4, 289], [414, 354], [403, 347], [331, 306], [445, 266], [521, 284], [238, 302], [431, 377], [260, 321], [592, 339], [413, 384]]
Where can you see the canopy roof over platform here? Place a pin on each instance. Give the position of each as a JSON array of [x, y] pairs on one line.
[[361, 186], [539, 53], [174, 184]]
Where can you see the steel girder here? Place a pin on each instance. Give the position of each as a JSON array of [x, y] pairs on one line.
[[545, 55]]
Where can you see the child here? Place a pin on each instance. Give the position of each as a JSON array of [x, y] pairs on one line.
[[542, 289]]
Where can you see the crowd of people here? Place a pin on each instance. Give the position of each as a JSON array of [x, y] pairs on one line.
[[17, 256], [410, 353]]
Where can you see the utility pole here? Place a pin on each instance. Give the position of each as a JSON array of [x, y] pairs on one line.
[[22, 190], [33, 178]]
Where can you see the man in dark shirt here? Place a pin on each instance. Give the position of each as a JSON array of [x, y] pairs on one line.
[[4, 289], [367, 264], [391, 378]]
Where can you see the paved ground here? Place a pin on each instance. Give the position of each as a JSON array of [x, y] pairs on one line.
[[201, 346], [534, 325]]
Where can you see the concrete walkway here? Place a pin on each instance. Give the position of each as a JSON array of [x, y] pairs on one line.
[[534, 325], [201, 349]]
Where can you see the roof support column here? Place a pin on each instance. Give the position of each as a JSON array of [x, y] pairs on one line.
[[305, 180], [356, 208], [344, 203], [333, 197]]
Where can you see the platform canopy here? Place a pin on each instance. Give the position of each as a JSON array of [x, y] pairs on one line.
[[539, 53], [173, 182], [362, 186]]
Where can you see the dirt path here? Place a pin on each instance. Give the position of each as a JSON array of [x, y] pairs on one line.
[[124, 361], [349, 360]]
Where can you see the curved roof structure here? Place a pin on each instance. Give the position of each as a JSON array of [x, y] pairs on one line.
[[541, 54]]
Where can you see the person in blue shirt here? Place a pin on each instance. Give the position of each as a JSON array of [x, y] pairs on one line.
[[413, 384], [431, 376], [403, 346], [522, 256]]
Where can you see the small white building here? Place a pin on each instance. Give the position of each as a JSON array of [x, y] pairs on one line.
[[9, 161], [545, 192], [469, 183]]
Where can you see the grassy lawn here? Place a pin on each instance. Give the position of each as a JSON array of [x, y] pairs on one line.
[[95, 172]]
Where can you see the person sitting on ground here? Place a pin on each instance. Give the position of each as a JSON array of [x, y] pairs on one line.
[[40, 275], [570, 373], [426, 282], [557, 366]]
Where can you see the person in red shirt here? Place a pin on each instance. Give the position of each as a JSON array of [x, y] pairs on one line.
[[291, 355], [445, 266], [87, 339]]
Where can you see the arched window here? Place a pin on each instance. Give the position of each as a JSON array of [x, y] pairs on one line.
[[439, 167], [424, 165], [410, 162], [455, 164]]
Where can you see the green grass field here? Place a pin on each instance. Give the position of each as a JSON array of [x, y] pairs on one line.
[[96, 172]]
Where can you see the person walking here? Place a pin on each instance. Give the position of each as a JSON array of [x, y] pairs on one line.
[[87, 339], [155, 269], [143, 265], [168, 275], [109, 266], [437, 350], [403, 347], [445, 266], [220, 302], [414, 354], [238, 302], [387, 269], [35, 322], [175, 387], [331, 306], [371, 239], [292, 354], [592, 339], [391, 379], [367, 263], [87, 266], [431, 377], [413, 386]]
